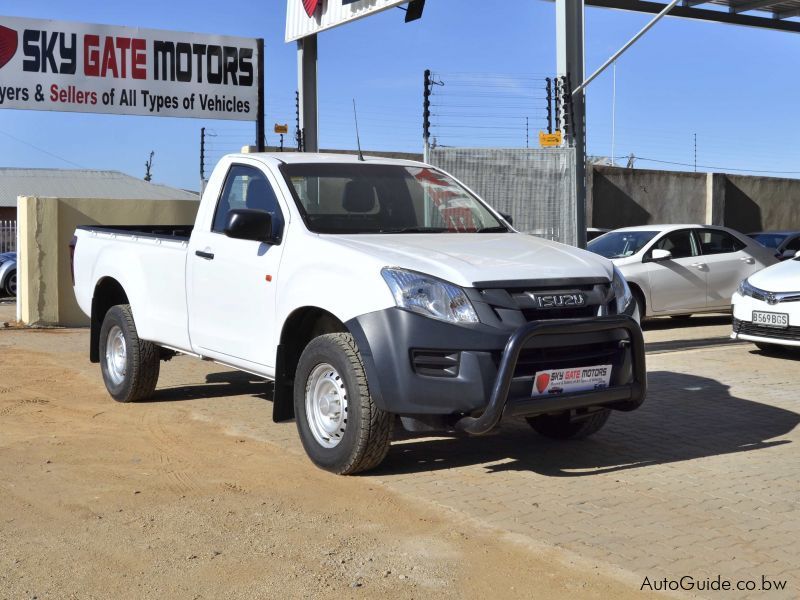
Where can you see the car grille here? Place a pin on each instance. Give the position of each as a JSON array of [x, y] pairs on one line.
[[747, 328], [517, 305], [532, 360]]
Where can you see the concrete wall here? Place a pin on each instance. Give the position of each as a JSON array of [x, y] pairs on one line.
[[46, 226], [624, 197], [621, 197]]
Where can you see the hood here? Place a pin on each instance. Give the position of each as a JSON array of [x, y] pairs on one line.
[[467, 258], [783, 277]]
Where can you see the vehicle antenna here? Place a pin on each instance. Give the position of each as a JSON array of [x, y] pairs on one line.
[[358, 138]]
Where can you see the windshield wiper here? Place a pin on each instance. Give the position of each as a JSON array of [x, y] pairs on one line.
[[493, 229], [415, 230]]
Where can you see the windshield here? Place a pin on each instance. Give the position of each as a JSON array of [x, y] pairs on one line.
[[371, 198], [619, 244], [770, 240]]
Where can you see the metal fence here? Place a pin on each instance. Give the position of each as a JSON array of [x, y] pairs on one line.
[[8, 236], [535, 186]]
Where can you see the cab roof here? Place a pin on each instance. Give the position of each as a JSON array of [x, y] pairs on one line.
[[326, 157]]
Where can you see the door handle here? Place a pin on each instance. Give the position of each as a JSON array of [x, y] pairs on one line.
[[700, 266], [205, 255], [748, 260]]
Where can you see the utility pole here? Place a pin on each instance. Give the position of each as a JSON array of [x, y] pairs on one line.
[[202, 155], [527, 135], [695, 153], [148, 166], [614, 115]]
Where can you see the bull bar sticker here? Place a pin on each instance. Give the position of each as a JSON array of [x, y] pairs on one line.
[[567, 381]]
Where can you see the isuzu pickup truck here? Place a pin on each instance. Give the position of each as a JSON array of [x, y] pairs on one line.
[[367, 290]]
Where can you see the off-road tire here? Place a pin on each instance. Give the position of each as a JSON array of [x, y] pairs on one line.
[[367, 434], [559, 427], [142, 364]]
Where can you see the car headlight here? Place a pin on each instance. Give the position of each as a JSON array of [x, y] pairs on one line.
[[745, 289], [622, 292], [429, 296]]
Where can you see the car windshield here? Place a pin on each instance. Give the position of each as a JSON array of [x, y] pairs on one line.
[[374, 198], [619, 244], [770, 240]]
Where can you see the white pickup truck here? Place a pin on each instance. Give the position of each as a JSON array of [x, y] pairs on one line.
[[367, 290]]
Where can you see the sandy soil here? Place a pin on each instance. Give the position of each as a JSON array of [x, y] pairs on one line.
[[103, 500]]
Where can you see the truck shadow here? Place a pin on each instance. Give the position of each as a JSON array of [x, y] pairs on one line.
[[684, 417], [217, 385]]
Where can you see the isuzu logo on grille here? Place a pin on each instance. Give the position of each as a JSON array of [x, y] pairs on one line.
[[557, 300]]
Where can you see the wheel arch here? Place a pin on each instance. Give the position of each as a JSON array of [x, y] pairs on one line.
[[108, 292], [637, 290], [299, 328]]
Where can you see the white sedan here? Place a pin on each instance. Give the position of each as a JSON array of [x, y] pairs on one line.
[[766, 307], [678, 270]]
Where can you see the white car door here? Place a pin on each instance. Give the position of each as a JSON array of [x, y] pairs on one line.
[[728, 263], [231, 287], [677, 284]]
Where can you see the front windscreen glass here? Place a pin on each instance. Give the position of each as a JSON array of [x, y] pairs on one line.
[[619, 244], [371, 198]]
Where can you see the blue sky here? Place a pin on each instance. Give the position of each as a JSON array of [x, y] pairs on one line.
[[732, 86]]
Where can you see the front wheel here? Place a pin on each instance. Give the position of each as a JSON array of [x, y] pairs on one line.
[[130, 366], [563, 427], [341, 428], [11, 283]]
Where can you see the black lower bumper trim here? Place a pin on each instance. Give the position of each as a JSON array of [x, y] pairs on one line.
[[500, 403]]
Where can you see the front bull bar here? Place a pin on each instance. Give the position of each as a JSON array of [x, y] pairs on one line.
[[630, 395]]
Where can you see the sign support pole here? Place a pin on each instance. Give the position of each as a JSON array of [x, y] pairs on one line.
[[307, 80], [260, 129]]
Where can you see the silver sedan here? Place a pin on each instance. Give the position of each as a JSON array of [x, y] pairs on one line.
[[678, 270]]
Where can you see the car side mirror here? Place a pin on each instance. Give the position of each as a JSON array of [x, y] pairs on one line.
[[788, 254], [659, 255], [507, 217], [250, 224]]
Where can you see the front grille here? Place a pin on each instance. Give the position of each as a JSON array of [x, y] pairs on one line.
[[747, 328], [532, 360], [581, 312]]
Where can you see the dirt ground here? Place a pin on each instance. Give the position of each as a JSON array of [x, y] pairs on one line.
[[104, 500]]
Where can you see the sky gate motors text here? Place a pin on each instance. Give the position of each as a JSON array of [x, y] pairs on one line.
[[127, 58]]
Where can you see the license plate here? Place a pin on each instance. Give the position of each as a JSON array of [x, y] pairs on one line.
[[567, 381], [770, 319]]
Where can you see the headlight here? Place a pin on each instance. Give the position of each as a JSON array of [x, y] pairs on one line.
[[429, 296], [621, 292], [745, 289]]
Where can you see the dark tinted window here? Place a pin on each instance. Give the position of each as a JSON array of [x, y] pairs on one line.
[[770, 240], [718, 242], [246, 187], [680, 243], [619, 244]]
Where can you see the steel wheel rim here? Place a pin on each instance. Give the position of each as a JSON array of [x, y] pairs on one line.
[[326, 405], [116, 355], [12, 284]]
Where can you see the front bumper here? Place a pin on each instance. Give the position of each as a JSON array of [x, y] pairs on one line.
[[744, 329], [495, 369]]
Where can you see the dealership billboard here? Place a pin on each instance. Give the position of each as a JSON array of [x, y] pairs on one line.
[[306, 17], [78, 67]]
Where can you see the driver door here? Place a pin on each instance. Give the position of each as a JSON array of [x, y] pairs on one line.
[[677, 284], [231, 285]]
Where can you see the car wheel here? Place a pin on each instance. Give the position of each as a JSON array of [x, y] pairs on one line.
[[563, 427], [11, 283], [341, 428], [130, 366], [638, 298]]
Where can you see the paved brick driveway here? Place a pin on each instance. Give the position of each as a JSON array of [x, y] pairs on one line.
[[703, 480]]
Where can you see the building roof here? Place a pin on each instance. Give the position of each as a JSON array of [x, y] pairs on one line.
[[81, 183]]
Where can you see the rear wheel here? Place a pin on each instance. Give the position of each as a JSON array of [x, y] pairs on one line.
[[11, 283], [130, 366], [341, 428], [565, 426]]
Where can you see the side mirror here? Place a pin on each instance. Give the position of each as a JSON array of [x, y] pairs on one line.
[[788, 254], [507, 217], [659, 255], [250, 224]]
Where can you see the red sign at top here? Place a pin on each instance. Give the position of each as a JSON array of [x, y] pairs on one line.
[[310, 6]]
